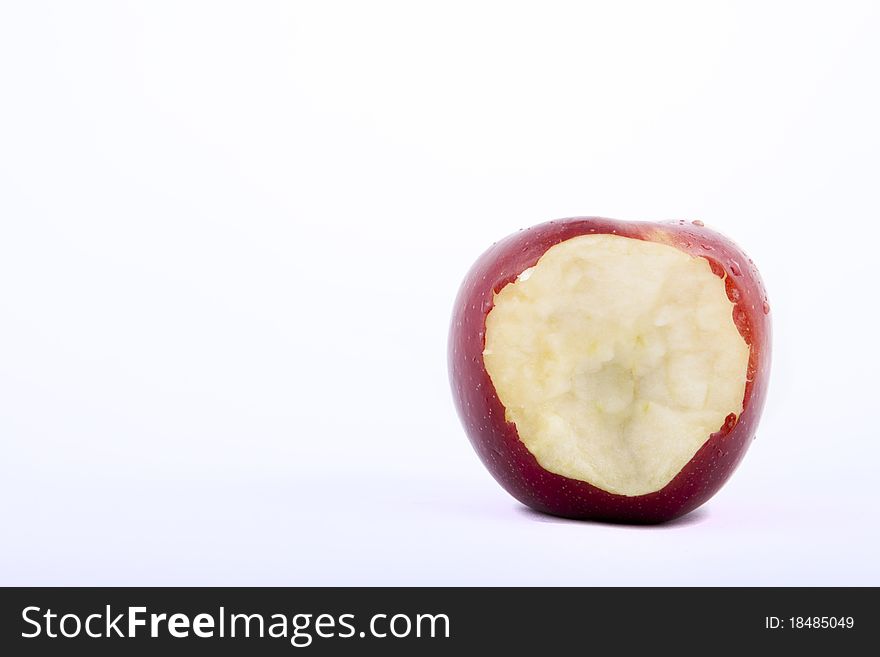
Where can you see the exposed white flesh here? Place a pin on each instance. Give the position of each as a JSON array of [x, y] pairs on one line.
[[616, 358]]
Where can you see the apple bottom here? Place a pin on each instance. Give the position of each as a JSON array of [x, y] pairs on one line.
[[519, 473]]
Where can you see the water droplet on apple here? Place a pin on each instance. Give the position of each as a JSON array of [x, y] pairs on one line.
[[708, 247], [734, 268], [697, 222], [766, 307]]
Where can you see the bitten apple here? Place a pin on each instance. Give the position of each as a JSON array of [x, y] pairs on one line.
[[611, 370]]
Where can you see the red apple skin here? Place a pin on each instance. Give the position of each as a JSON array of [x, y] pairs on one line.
[[496, 441]]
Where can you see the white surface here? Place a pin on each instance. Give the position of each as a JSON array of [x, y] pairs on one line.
[[230, 236]]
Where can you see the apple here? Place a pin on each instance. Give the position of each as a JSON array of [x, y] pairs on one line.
[[611, 370]]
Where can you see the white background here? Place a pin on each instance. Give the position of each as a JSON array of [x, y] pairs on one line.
[[231, 235]]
